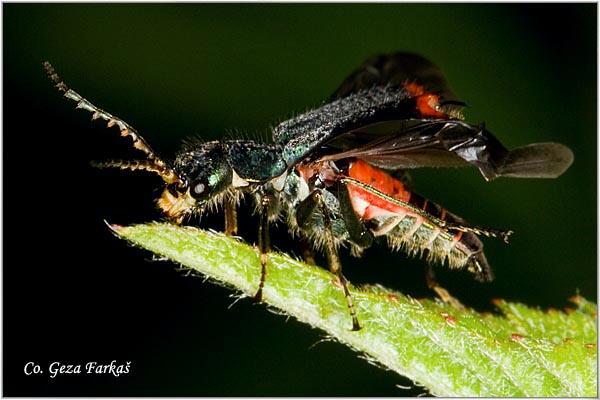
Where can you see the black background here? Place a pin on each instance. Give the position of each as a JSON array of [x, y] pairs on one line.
[[74, 293]]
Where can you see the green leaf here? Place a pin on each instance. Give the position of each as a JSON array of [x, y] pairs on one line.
[[521, 352]]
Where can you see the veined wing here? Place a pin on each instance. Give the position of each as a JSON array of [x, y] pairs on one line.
[[408, 144]]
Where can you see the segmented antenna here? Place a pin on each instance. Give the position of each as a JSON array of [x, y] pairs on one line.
[[154, 163], [504, 235], [489, 232], [131, 165]]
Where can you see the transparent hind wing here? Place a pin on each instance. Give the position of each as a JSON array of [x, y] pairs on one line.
[[537, 160], [395, 145]]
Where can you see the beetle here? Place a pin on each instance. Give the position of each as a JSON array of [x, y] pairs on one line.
[[337, 174]]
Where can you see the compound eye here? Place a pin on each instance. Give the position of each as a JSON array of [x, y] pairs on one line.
[[199, 188]]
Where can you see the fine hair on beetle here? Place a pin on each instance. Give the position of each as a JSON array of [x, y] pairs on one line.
[[337, 174]]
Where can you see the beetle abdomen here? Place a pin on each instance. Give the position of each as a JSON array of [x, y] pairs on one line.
[[410, 222]]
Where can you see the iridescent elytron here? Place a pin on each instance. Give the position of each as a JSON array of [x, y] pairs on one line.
[[337, 174]]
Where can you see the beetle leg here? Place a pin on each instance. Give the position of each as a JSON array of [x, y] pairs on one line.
[[442, 293], [357, 230], [335, 266], [306, 209], [307, 253], [231, 223], [304, 213], [263, 245]]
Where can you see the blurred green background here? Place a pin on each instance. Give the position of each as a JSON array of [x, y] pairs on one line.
[[173, 71]]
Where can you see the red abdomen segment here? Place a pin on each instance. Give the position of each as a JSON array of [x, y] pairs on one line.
[[411, 223], [368, 205]]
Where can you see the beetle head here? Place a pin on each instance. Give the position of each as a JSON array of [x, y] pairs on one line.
[[205, 176]]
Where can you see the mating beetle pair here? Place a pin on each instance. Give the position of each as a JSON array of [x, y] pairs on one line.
[[337, 174]]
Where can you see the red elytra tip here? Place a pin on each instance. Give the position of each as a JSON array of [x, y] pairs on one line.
[[392, 297], [516, 337], [590, 345], [576, 299], [497, 302]]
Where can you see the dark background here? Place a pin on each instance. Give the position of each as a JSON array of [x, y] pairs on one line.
[[74, 293]]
